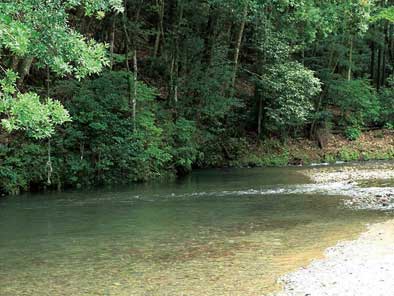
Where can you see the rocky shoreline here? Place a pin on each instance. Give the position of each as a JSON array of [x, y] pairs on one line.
[[351, 172], [370, 186], [362, 267]]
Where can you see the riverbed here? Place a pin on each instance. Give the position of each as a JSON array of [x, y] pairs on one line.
[[215, 232]]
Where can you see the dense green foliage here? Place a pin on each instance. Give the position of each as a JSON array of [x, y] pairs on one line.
[[104, 92]]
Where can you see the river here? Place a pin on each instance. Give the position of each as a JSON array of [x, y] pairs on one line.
[[215, 232]]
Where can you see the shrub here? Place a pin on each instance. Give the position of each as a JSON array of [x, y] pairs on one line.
[[352, 133], [356, 99], [349, 155], [287, 89]]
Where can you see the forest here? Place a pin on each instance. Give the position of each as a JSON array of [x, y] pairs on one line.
[[96, 92]]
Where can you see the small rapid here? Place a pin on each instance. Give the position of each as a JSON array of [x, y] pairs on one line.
[[356, 196]]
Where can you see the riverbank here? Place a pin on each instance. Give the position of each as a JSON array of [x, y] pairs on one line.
[[364, 266], [17, 178], [361, 267], [371, 145]]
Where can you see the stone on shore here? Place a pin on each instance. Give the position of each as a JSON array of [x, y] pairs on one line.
[[363, 267]]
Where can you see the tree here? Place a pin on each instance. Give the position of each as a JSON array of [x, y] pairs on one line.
[[288, 88], [43, 38]]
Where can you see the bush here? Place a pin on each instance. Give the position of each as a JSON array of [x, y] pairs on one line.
[[329, 158], [389, 126], [287, 89], [352, 133], [349, 155], [101, 143], [16, 160], [357, 101], [182, 143]]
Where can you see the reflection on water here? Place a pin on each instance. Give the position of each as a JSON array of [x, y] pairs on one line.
[[217, 232]]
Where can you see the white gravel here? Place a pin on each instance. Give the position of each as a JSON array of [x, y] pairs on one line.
[[364, 267], [351, 173], [348, 181]]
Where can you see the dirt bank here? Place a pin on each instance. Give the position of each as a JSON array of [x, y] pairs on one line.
[[372, 145]]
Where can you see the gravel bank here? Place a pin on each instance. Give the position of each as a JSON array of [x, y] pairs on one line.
[[363, 267], [351, 172], [369, 185]]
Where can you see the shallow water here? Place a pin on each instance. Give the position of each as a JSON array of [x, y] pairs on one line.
[[216, 232]]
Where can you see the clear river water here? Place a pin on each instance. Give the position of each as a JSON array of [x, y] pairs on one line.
[[215, 232]]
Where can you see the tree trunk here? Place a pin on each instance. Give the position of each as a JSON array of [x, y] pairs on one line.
[[383, 76], [349, 73], [160, 29], [260, 116], [24, 69], [385, 45], [4, 137], [14, 64], [378, 72], [238, 46], [175, 55], [134, 100], [130, 83], [372, 65], [112, 41]]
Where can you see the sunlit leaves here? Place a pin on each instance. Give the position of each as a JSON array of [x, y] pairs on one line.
[[384, 14], [80, 57], [45, 35], [355, 15], [8, 84], [94, 6], [28, 114], [26, 111], [14, 35], [101, 6], [289, 88]]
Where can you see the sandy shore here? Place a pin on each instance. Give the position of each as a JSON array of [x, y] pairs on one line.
[[362, 267], [356, 268]]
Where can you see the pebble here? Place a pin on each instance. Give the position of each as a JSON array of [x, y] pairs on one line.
[[363, 267]]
